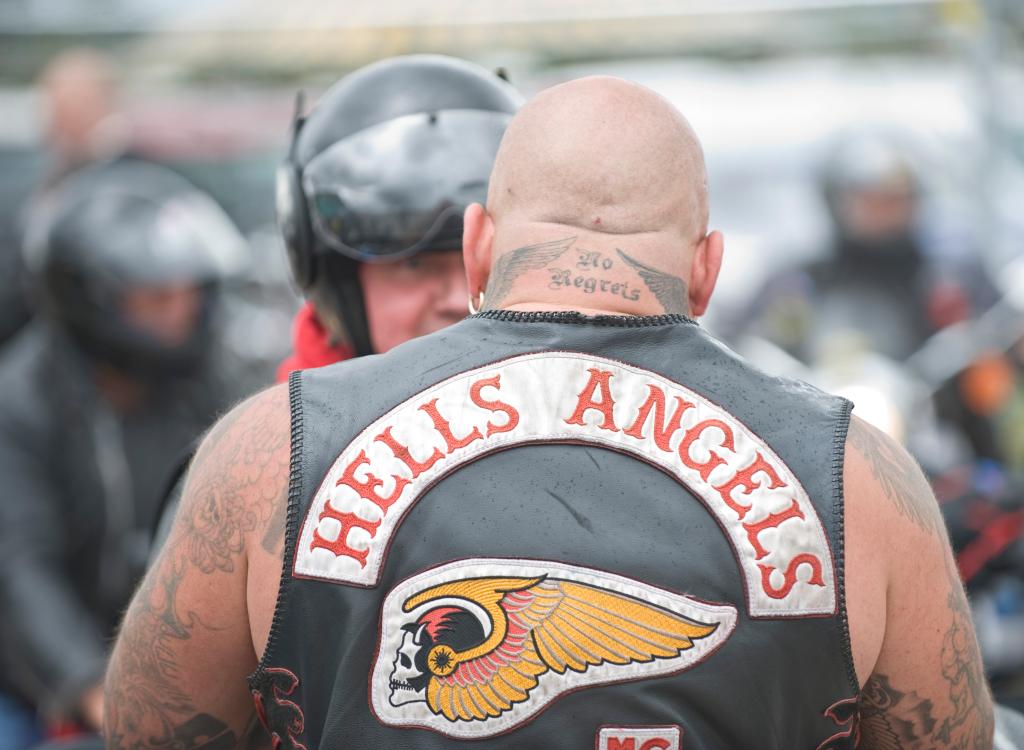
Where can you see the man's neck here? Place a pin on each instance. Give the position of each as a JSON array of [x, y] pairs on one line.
[[594, 276]]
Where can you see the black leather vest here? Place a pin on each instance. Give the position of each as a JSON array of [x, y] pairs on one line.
[[541, 530]]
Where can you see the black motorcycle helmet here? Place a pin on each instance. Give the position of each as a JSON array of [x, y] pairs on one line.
[[127, 225], [383, 168]]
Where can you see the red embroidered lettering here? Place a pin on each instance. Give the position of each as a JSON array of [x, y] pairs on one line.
[[714, 461], [585, 401], [773, 520], [638, 738], [340, 545], [367, 489], [745, 478], [402, 453], [656, 744], [790, 575], [442, 426], [663, 431], [479, 400]]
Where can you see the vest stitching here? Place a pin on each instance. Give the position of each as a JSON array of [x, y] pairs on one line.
[[290, 538], [838, 521], [571, 316]]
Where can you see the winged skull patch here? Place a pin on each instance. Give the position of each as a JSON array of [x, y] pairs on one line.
[[477, 647]]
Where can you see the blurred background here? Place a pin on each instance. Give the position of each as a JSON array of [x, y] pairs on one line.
[[866, 165]]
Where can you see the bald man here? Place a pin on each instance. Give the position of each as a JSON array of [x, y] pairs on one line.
[[573, 520]]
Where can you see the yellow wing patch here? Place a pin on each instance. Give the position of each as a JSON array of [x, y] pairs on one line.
[[547, 624]]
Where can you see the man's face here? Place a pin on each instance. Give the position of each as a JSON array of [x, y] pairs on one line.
[[878, 214], [168, 314], [412, 297]]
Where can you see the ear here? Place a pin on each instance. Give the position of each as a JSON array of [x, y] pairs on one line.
[[707, 262], [477, 242]]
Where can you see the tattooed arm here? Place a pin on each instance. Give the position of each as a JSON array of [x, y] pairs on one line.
[[177, 675], [923, 685]]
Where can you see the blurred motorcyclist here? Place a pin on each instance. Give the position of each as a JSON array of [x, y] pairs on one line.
[[370, 202], [98, 397], [890, 278]]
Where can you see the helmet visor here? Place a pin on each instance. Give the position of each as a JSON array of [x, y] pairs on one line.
[[399, 187]]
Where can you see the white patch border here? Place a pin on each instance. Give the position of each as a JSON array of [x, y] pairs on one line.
[[803, 600], [551, 685]]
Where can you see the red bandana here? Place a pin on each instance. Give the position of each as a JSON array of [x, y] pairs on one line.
[[310, 344]]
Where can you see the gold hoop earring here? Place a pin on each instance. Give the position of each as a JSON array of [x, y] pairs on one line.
[[475, 308]]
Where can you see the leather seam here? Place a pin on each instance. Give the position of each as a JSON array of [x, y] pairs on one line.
[[839, 524], [290, 538]]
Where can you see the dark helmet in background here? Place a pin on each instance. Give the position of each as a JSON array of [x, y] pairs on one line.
[[382, 168], [116, 232]]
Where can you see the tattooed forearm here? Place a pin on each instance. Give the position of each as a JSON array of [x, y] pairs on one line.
[[671, 291], [236, 489], [898, 475], [892, 718], [142, 684], [903, 720], [971, 722], [515, 263], [206, 732], [155, 708], [900, 718]]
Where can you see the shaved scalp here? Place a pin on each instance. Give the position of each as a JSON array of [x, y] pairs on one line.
[[601, 148], [614, 166]]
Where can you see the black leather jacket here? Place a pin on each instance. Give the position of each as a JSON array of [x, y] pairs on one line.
[[80, 487]]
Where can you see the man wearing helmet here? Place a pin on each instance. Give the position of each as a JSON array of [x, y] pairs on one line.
[[370, 201], [101, 392]]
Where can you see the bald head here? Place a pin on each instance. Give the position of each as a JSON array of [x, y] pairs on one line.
[[597, 203], [604, 155]]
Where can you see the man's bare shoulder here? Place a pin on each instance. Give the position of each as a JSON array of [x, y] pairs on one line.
[[238, 482], [889, 512], [885, 480]]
